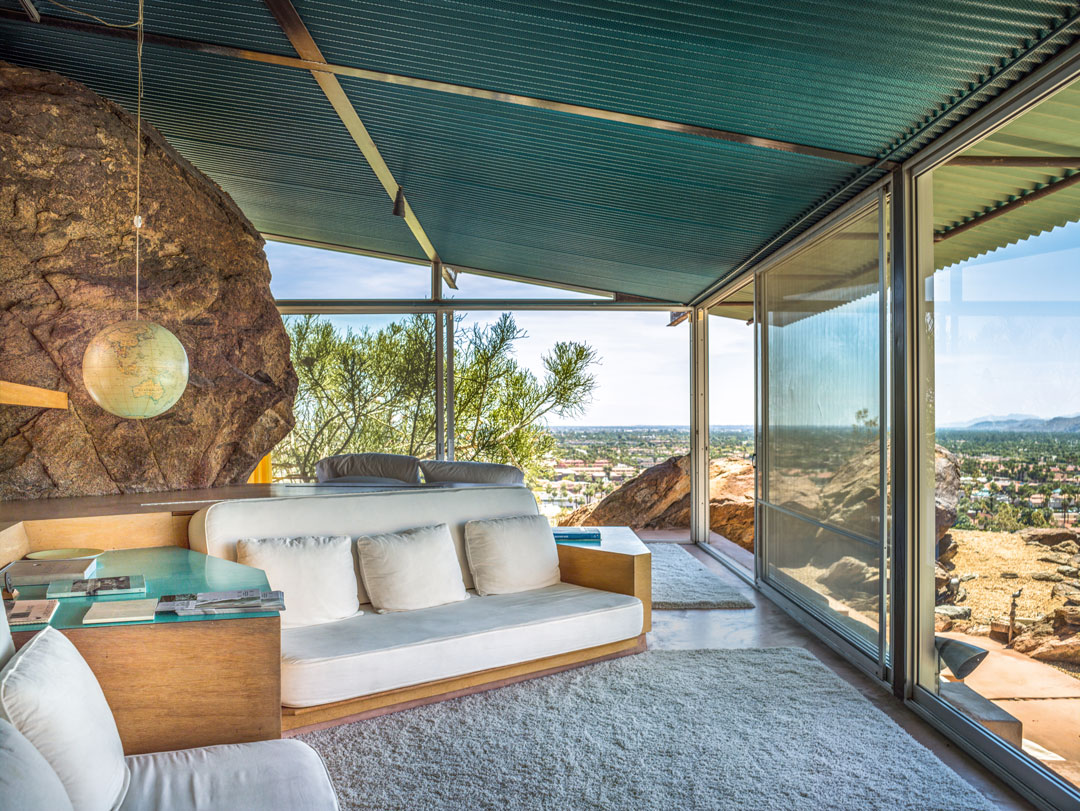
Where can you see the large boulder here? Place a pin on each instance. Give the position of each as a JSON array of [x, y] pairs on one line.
[[659, 498], [67, 270], [1048, 536]]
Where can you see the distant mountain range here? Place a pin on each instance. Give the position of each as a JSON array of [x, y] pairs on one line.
[[1068, 424]]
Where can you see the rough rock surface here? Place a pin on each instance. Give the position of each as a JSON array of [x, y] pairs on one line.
[[1048, 536], [67, 170], [946, 490], [1055, 639], [659, 498]]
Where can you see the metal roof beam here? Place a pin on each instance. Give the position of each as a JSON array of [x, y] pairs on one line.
[[312, 59], [1018, 161], [371, 306], [1012, 205]]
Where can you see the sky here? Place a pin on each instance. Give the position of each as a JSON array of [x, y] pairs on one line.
[[1008, 331], [1007, 334]]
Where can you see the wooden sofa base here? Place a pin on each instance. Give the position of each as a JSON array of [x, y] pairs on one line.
[[299, 720]]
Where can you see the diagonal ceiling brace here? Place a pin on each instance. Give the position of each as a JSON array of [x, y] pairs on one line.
[[289, 20]]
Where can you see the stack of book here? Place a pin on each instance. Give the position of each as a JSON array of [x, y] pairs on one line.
[[40, 572], [576, 535], [244, 601]]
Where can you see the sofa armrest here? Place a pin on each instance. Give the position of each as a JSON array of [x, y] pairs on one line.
[[621, 563]]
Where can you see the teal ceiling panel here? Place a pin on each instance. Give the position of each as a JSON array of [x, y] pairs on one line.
[[516, 185], [848, 75], [545, 194]]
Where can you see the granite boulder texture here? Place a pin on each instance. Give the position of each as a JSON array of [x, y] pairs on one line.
[[67, 179]]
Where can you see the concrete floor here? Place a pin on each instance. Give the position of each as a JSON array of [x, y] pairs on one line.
[[767, 626]]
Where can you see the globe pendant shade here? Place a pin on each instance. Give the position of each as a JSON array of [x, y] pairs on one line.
[[135, 369]]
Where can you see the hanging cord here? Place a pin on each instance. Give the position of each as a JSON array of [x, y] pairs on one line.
[[138, 156], [137, 219], [95, 17]]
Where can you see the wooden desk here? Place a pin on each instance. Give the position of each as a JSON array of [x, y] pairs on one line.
[[179, 682]]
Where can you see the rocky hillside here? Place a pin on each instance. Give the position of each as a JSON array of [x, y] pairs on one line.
[[659, 498]]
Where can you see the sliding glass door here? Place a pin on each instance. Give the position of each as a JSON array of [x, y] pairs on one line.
[[822, 359]]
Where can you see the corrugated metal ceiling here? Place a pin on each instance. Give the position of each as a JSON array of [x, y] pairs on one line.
[[544, 194], [966, 193]]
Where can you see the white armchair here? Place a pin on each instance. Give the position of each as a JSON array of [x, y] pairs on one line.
[[59, 749]]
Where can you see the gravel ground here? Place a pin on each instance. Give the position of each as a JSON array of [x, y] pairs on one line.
[[988, 554]]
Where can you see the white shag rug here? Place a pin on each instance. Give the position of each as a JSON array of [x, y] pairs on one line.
[[761, 729], [679, 580]]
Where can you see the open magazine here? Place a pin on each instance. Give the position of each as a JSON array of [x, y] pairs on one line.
[[242, 601]]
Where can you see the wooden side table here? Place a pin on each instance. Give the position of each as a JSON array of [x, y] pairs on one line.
[[179, 682], [620, 563]]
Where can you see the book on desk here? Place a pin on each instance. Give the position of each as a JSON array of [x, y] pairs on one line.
[[97, 586], [41, 572], [577, 535], [29, 612]]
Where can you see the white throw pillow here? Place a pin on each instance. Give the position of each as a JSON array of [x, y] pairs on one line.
[[508, 555], [415, 568], [49, 694], [316, 573], [27, 781]]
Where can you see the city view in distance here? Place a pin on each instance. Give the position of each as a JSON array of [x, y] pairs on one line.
[[1015, 472]]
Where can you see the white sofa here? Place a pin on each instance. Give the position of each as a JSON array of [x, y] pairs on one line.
[[58, 743], [373, 653]]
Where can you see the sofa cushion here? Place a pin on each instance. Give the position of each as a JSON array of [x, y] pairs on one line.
[[372, 652], [415, 568], [372, 481], [507, 555], [317, 574], [379, 465], [27, 781], [262, 775], [49, 693], [215, 529], [472, 472]]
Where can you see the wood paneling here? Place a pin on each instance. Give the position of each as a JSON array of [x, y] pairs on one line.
[[109, 531], [304, 719], [186, 684], [623, 572], [18, 394], [13, 543]]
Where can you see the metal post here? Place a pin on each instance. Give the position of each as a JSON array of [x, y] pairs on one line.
[[900, 491], [699, 425], [450, 385], [440, 393]]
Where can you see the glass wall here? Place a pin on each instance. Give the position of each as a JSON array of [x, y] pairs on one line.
[[823, 444], [731, 427], [592, 405], [304, 272], [999, 374]]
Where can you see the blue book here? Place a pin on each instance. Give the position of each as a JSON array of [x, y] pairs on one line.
[[577, 534]]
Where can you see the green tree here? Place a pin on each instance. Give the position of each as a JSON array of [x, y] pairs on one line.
[[374, 390]]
